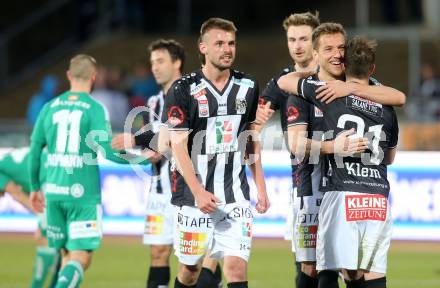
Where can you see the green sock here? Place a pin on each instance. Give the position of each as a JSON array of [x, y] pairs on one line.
[[71, 275], [55, 271], [45, 258]]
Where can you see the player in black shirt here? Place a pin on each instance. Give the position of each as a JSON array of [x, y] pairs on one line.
[[298, 28], [167, 58], [359, 204], [210, 115]]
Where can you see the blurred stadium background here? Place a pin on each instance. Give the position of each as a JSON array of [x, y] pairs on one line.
[[37, 38]]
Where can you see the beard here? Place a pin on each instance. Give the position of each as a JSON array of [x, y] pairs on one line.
[[304, 61], [221, 67]]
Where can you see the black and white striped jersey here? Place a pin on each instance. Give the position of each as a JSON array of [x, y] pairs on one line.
[[365, 173], [218, 122], [301, 112], [160, 178], [278, 101]]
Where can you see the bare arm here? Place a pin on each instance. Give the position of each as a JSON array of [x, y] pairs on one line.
[[256, 168], [206, 201], [264, 113], [164, 140], [380, 94], [301, 146], [389, 156], [17, 193]]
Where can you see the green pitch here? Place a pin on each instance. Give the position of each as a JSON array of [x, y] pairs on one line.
[[123, 262]]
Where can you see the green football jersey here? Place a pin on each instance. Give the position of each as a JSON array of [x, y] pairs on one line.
[[14, 167], [73, 127]]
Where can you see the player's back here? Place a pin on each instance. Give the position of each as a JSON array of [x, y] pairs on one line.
[[378, 123], [71, 126], [366, 173]]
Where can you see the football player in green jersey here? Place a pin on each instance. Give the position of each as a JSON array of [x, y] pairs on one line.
[[15, 181], [73, 127]]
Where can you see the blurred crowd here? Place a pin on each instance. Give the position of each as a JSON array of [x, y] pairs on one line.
[[424, 104], [119, 92]]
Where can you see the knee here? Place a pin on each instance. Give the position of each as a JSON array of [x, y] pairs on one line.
[[235, 270], [188, 274], [82, 257], [160, 255]]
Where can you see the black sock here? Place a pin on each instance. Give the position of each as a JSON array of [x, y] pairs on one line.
[[305, 281], [328, 279], [158, 276], [376, 283], [360, 283], [298, 271], [209, 279], [177, 284], [218, 275], [243, 284]]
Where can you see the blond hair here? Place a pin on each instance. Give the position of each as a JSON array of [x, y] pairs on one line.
[[82, 67], [299, 19], [328, 28]]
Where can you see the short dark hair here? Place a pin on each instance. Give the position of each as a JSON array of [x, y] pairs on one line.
[[217, 23], [299, 19], [325, 29], [214, 23], [360, 54], [176, 50]]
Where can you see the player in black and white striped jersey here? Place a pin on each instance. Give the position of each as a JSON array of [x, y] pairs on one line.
[[216, 119], [210, 115], [167, 58]]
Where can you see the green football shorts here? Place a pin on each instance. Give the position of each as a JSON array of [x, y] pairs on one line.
[[74, 226]]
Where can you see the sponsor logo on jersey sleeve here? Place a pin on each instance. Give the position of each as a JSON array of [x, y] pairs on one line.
[[175, 115], [292, 113], [366, 207], [191, 243]]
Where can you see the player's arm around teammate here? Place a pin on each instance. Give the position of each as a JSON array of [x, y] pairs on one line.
[[376, 93]]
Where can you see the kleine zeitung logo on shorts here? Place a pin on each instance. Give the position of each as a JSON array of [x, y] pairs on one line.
[[366, 207]]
